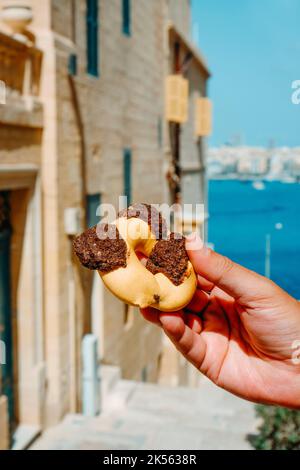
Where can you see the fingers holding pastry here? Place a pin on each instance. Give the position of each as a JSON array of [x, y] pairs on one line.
[[192, 320], [139, 261]]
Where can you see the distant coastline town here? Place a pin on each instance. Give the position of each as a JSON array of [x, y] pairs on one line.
[[254, 163]]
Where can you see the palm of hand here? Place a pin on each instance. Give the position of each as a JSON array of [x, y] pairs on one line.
[[239, 330], [245, 348], [248, 349]]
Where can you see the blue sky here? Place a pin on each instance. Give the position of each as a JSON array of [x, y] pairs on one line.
[[253, 50]]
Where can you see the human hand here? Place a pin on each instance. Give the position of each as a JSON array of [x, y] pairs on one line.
[[240, 330]]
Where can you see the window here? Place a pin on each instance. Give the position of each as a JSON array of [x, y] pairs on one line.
[[93, 202], [92, 37], [126, 14], [127, 174]]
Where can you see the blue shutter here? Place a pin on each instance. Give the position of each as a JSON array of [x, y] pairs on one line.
[[92, 37], [93, 201], [126, 13], [127, 174]]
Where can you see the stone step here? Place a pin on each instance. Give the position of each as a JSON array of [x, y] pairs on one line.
[[208, 399], [24, 436], [147, 416], [141, 421], [148, 436]]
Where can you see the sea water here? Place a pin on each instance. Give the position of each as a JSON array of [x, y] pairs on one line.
[[241, 217]]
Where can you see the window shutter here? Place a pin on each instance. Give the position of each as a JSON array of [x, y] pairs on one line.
[[127, 174], [177, 90], [203, 117], [93, 202], [92, 37], [126, 13]]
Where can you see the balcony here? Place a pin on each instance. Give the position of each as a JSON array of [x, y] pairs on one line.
[[20, 67], [20, 72]]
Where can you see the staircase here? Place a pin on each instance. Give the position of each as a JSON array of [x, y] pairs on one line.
[[148, 416]]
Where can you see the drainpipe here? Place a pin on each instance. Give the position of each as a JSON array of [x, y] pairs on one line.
[[177, 130], [89, 371], [91, 396], [80, 128]]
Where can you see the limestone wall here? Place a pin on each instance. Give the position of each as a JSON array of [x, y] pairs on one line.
[[4, 436], [89, 121], [76, 140]]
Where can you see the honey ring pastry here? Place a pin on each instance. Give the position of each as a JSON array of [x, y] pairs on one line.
[[167, 282]]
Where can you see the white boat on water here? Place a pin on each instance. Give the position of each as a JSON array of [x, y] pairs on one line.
[[289, 180], [259, 185]]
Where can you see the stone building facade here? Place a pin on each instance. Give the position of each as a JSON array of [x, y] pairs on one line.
[[83, 122]]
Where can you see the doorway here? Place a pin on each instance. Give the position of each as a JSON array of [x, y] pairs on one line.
[[6, 336]]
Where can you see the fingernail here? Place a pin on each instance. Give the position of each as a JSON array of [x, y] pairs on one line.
[[194, 242], [192, 236]]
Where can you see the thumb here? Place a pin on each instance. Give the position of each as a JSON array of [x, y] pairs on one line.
[[235, 280]]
